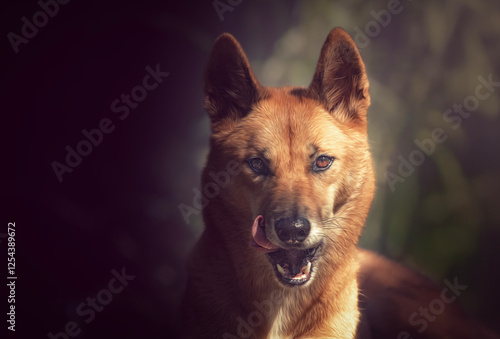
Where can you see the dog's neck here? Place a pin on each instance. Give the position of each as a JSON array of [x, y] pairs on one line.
[[334, 306]]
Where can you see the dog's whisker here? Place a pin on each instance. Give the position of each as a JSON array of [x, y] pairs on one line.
[[327, 236], [333, 223]]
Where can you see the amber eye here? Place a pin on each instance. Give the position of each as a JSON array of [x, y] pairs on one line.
[[258, 166], [322, 163]]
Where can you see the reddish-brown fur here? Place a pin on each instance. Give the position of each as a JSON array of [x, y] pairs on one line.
[[230, 281]]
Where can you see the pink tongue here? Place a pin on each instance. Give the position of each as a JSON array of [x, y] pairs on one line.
[[259, 240]]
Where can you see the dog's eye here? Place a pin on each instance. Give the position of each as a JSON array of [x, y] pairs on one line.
[[322, 163], [258, 166]]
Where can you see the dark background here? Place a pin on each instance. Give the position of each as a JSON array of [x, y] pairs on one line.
[[119, 207]]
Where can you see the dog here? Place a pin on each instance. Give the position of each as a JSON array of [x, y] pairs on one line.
[[292, 181]]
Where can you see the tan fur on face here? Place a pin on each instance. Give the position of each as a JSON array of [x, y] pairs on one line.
[[287, 130]]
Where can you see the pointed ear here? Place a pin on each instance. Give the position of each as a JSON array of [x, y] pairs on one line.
[[340, 80], [230, 85]]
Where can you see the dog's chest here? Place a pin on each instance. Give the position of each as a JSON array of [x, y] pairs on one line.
[[278, 325]]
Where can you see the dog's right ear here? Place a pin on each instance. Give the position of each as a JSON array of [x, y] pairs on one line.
[[340, 80], [230, 85]]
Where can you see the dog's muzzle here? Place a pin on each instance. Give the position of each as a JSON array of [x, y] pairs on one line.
[[292, 266]]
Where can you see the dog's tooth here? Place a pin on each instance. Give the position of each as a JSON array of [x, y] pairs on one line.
[[280, 269], [308, 268]]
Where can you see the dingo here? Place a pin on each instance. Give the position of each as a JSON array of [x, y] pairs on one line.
[[278, 257]]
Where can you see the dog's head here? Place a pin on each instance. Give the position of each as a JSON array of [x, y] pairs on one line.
[[301, 179]]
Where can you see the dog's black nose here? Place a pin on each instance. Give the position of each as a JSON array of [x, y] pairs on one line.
[[291, 230]]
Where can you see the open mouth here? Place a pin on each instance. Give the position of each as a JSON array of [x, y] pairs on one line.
[[292, 266]]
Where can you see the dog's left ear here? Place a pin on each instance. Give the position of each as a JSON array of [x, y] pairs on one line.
[[230, 85], [340, 80]]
